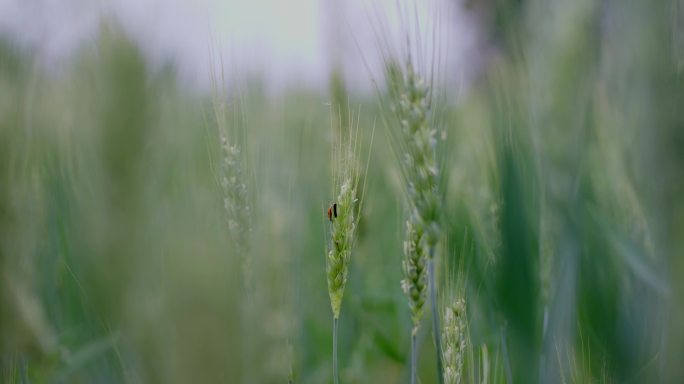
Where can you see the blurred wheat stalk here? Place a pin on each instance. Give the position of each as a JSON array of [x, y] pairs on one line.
[[417, 148]]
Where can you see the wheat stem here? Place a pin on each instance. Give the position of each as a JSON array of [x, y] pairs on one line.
[[418, 144], [336, 373], [435, 318], [414, 356]]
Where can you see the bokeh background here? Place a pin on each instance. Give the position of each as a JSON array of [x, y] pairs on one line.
[[562, 136]]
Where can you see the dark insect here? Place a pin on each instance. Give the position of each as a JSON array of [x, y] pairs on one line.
[[332, 211]]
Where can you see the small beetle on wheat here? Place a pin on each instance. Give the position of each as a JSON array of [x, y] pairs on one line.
[[332, 211]]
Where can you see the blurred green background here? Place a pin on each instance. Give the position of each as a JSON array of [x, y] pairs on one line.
[[563, 178]]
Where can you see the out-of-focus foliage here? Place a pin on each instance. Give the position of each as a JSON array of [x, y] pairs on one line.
[[564, 177]]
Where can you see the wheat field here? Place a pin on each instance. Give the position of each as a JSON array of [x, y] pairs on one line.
[[151, 234]]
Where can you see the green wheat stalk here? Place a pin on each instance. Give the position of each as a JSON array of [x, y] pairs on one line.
[[344, 218], [231, 176], [417, 144], [414, 285], [237, 207]]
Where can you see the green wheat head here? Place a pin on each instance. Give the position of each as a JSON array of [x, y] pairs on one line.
[[236, 201], [232, 178], [342, 225], [455, 339], [417, 144], [415, 282]]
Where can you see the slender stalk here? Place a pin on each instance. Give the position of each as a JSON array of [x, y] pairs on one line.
[[336, 373], [414, 356], [435, 317]]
